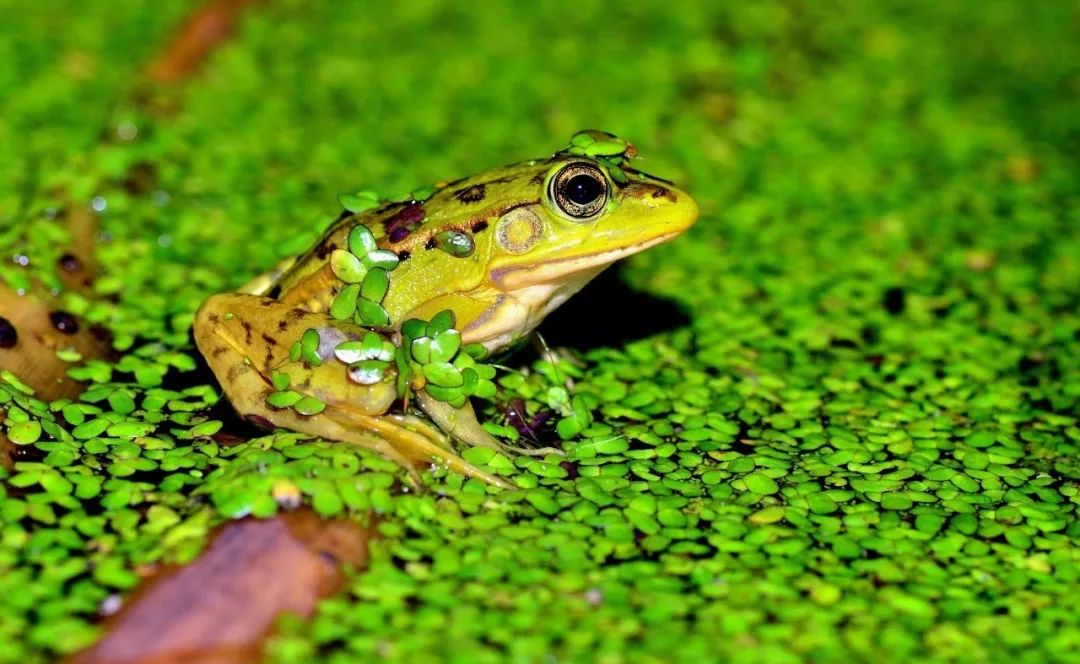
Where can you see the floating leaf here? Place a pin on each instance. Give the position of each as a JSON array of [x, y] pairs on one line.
[[371, 313], [605, 148], [475, 351], [485, 389], [309, 406], [368, 372], [347, 267], [280, 380], [424, 193], [361, 241], [376, 283], [413, 328], [582, 139], [445, 345], [360, 201], [444, 393], [310, 341], [440, 322], [349, 351], [344, 305], [421, 350], [470, 381], [383, 258], [283, 398], [25, 433], [377, 348], [443, 374]]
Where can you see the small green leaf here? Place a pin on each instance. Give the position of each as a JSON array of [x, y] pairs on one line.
[[414, 328], [368, 372], [761, 483], [280, 380], [582, 139], [344, 305], [567, 427], [371, 313], [421, 350], [376, 283], [470, 381], [442, 321], [485, 389], [25, 433], [445, 345], [122, 402], [605, 148], [447, 394], [309, 406], [401, 360], [475, 351], [383, 258], [326, 502], [283, 398], [377, 348], [310, 341], [90, 429], [75, 415], [423, 193], [350, 351], [347, 267], [443, 374], [360, 201], [361, 241]]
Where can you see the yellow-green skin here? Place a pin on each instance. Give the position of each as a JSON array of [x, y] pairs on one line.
[[528, 257]]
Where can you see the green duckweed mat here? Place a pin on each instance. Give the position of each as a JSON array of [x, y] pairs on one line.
[[858, 441]]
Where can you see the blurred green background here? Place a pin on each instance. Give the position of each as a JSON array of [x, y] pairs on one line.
[[861, 443]]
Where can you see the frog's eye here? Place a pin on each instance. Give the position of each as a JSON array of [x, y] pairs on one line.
[[579, 190]]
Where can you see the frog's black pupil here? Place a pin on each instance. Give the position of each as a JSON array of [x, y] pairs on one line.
[[583, 189]]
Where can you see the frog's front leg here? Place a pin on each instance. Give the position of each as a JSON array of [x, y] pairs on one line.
[[247, 340]]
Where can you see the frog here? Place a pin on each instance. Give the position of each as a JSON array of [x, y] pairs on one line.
[[466, 269]]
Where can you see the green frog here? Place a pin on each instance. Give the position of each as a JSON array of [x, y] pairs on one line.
[[373, 336]]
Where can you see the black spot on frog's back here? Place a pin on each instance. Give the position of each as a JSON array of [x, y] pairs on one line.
[[325, 249], [472, 194]]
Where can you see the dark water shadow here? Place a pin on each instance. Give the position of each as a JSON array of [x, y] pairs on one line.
[[608, 312]]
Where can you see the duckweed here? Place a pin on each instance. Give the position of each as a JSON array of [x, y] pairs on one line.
[[858, 440]]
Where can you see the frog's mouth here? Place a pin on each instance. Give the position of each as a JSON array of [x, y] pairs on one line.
[[576, 270]]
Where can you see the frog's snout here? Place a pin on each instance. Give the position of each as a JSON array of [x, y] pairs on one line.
[[661, 205]]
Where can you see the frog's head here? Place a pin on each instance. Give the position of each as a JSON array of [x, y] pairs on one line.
[[518, 241]]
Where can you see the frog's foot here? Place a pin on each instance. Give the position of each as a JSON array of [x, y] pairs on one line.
[[246, 340], [462, 424]]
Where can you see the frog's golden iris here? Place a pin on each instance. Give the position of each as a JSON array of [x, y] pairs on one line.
[[537, 232]]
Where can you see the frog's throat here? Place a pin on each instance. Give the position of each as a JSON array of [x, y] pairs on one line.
[[527, 294], [517, 312]]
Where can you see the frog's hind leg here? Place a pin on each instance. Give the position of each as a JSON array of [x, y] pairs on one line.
[[246, 340], [461, 423]]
